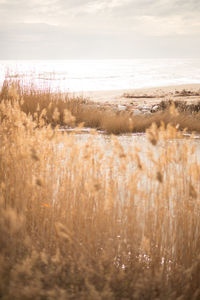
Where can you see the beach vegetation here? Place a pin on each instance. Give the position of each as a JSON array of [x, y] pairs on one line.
[[83, 219]]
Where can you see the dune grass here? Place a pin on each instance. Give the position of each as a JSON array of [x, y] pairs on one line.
[[86, 220], [47, 108]]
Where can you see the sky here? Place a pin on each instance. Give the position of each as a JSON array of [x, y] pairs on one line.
[[99, 29]]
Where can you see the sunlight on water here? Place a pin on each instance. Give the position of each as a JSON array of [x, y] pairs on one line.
[[85, 75]]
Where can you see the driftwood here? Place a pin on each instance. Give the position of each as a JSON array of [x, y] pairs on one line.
[[141, 96]]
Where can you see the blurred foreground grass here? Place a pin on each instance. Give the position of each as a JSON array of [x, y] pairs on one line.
[[77, 223]]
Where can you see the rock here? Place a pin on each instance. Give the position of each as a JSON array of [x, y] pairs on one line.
[[146, 108], [155, 108], [137, 112], [122, 107], [146, 112], [131, 107]]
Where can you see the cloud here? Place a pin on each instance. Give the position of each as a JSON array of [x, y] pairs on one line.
[[42, 41], [23, 9], [68, 26]]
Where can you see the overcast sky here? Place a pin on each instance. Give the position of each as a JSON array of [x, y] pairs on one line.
[[95, 29]]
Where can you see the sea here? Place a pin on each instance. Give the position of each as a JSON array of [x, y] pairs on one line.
[[94, 75]]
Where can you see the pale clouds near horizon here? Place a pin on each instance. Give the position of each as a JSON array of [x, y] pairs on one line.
[[99, 28]]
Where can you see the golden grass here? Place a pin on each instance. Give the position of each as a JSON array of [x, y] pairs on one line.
[[124, 123], [92, 220], [57, 109]]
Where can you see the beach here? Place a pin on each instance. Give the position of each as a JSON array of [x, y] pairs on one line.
[[143, 96]]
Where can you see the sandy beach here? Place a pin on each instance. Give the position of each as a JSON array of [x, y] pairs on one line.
[[144, 96]]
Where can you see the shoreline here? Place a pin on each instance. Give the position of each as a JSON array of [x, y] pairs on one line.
[[142, 96]]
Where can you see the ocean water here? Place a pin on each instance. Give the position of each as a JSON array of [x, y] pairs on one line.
[[91, 75]]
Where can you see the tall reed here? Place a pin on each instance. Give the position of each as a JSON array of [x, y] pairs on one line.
[[87, 219]]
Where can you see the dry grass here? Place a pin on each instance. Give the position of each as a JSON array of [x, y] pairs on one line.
[[124, 123], [56, 109], [79, 220], [181, 106]]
